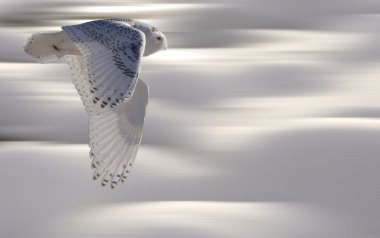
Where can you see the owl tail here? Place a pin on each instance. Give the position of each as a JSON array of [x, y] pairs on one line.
[[45, 46]]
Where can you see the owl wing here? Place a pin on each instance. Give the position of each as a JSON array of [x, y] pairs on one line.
[[111, 52], [115, 137], [106, 77]]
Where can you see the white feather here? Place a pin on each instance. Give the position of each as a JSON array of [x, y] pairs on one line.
[[104, 57], [98, 77]]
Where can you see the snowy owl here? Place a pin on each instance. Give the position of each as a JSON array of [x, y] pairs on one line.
[[104, 57]]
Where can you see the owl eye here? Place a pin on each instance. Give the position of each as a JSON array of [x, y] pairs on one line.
[[159, 38]]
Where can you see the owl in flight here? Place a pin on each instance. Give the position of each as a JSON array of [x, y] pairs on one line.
[[104, 57]]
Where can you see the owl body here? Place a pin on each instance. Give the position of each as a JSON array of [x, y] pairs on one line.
[[55, 45]]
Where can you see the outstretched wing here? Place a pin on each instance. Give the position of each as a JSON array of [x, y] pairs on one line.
[[106, 77], [115, 133], [110, 63]]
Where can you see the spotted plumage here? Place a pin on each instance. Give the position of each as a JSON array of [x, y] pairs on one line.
[[104, 57]]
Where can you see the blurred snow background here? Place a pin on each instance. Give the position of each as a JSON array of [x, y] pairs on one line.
[[263, 122]]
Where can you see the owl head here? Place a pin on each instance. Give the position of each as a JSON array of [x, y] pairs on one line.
[[155, 40]]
